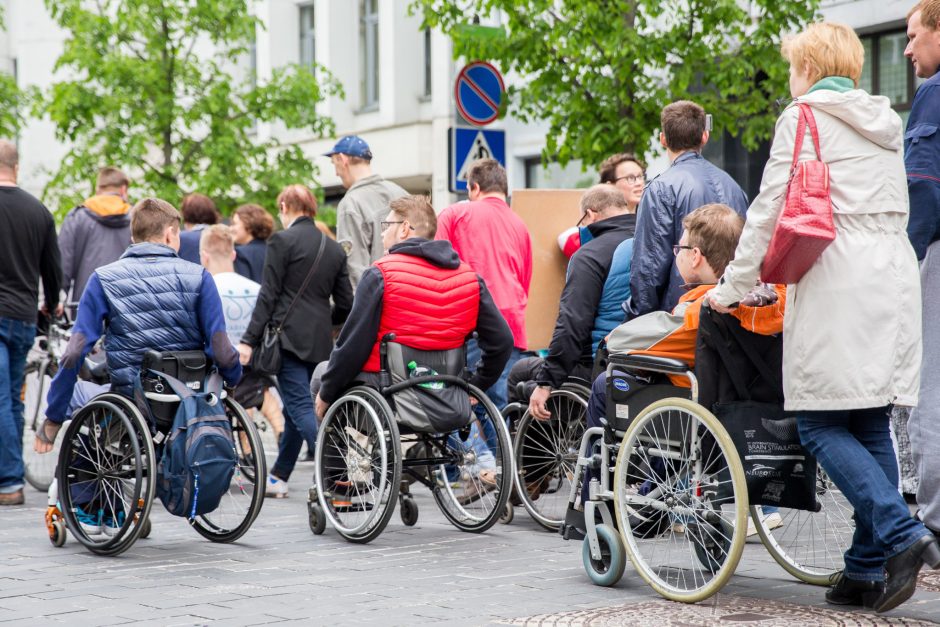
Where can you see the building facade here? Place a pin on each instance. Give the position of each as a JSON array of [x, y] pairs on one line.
[[398, 82]]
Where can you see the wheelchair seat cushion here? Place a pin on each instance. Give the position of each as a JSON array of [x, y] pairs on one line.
[[435, 407]]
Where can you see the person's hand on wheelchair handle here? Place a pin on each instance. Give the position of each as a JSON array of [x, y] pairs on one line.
[[714, 304], [45, 444], [321, 407], [244, 353], [538, 402]]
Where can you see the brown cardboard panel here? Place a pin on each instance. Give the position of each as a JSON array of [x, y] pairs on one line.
[[546, 212]]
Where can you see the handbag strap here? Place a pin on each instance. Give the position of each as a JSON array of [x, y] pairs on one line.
[[806, 118], [303, 288]]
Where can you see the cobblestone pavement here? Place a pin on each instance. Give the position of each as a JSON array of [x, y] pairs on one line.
[[515, 574]]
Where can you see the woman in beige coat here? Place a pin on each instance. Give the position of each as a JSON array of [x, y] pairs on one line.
[[852, 329]]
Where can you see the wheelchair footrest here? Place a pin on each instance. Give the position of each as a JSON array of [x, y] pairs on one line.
[[573, 527]]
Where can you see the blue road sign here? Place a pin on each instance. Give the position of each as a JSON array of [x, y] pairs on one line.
[[479, 92], [469, 144]]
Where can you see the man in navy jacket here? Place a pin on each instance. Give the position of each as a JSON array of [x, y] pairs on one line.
[[148, 299], [689, 183], [922, 161]]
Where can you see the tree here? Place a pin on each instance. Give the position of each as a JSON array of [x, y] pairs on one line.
[[152, 87], [600, 71], [10, 100]]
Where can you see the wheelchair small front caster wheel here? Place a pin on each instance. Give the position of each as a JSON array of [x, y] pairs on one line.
[[607, 570], [316, 518], [145, 528], [58, 533], [507, 514], [409, 511]]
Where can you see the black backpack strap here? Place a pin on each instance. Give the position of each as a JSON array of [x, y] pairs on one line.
[[179, 388]]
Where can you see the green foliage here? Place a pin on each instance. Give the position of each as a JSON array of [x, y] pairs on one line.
[[153, 89], [10, 101], [600, 71]]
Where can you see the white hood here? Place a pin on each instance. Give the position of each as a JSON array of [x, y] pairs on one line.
[[871, 116]]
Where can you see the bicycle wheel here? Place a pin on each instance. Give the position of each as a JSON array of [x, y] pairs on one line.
[[678, 460], [240, 506], [39, 469], [810, 545]]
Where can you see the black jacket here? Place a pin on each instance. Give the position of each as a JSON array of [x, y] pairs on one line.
[[249, 259], [290, 256], [29, 249], [584, 287], [359, 334]]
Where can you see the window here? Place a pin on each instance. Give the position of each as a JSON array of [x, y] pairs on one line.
[[886, 72], [307, 38], [369, 51], [427, 61], [553, 176]]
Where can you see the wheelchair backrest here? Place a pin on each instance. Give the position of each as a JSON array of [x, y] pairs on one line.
[[429, 407], [190, 367], [627, 397]]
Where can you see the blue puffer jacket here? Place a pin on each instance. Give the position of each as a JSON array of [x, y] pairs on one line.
[[922, 162], [148, 299], [689, 183], [162, 316], [616, 291]]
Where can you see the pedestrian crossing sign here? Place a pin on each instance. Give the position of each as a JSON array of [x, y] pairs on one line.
[[468, 145]]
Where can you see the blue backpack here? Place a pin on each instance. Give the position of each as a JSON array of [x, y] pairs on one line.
[[198, 461]]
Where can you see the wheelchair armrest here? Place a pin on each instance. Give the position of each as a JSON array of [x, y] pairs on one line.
[[649, 362]]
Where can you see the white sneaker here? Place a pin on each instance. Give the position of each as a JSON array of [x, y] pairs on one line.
[[275, 487]]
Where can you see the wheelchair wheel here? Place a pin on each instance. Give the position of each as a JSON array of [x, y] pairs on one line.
[[810, 545], [239, 508], [676, 458], [546, 455], [105, 475], [38, 470], [358, 464], [607, 570], [471, 492]]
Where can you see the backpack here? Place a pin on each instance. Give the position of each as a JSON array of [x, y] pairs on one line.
[[198, 459]]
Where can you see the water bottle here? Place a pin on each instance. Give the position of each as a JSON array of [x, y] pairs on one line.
[[414, 370]]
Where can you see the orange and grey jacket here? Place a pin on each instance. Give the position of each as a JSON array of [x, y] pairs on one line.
[[664, 334]]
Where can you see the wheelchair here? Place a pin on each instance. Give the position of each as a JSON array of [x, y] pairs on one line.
[[107, 465], [676, 501], [416, 427], [546, 451]]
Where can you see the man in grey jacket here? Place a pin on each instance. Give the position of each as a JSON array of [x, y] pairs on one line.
[[689, 183], [364, 205], [95, 233]]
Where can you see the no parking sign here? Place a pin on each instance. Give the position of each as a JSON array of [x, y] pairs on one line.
[[479, 92]]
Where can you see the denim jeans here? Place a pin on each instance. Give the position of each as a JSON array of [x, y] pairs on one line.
[[854, 448], [498, 392], [300, 421], [16, 338]]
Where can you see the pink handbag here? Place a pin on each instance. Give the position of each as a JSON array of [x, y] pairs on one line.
[[805, 226]]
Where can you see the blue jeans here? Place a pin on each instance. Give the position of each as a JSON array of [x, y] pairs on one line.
[[854, 448], [498, 392], [16, 338], [300, 421]]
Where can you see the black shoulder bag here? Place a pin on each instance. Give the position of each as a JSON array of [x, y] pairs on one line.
[[266, 358]]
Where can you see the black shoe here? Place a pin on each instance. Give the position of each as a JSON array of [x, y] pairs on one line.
[[901, 572], [854, 592]]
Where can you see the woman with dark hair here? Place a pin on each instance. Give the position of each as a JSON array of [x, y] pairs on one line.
[[303, 264], [251, 227], [198, 212]]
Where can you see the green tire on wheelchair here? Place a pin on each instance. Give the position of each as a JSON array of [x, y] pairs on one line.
[[608, 570]]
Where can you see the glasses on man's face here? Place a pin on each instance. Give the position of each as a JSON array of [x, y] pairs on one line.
[[678, 247], [631, 179], [387, 223]]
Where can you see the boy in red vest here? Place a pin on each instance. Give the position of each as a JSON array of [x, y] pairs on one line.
[[425, 295]]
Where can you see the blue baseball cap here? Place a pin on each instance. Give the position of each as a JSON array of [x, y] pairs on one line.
[[351, 145]]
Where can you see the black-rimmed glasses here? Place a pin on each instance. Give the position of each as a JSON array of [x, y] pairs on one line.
[[678, 247], [387, 223]]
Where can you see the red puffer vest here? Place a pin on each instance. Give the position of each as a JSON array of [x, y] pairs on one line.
[[427, 307]]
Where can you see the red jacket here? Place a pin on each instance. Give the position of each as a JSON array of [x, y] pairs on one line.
[[426, 306], [489, 236]]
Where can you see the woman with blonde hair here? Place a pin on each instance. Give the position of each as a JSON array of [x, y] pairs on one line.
[[852, 331]]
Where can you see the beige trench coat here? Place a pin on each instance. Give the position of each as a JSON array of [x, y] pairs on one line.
[[852, 328]]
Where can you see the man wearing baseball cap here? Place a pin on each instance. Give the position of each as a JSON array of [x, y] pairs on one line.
[[364, 205]]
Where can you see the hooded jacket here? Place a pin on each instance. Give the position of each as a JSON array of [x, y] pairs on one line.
[[852, 331], [357, 340], [597, 282], [922, 161], [94, 234]]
